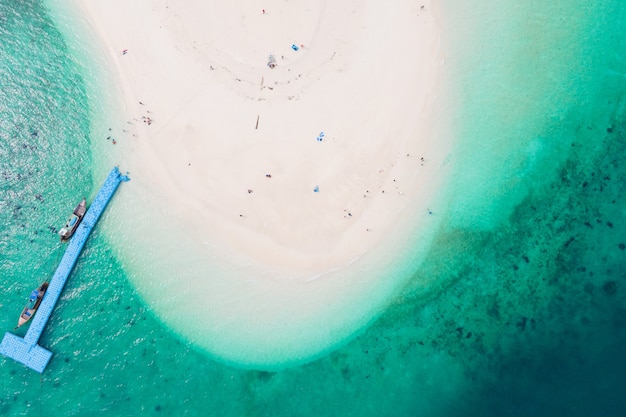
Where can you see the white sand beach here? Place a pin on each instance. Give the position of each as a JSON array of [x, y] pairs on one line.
[[301, 195]]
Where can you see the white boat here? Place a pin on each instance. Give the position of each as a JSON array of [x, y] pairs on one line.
[[70, 227]]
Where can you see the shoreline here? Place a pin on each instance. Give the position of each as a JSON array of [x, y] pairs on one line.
[[283, 249]]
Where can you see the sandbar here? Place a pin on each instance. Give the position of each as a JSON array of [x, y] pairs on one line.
[[286, 161]]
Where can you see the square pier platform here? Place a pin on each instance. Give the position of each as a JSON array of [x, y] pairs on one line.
[[33, 356]]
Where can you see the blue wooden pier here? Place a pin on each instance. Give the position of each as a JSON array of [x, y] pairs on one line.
[[26, 350]]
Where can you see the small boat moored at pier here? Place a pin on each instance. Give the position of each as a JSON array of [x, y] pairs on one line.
[[33, 303], [72, 223], [26, 349]]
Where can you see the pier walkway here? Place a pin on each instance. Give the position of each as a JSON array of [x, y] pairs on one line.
[[26, 350]]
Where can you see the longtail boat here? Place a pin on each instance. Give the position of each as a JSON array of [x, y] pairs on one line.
[[72, 223], [33, 304]]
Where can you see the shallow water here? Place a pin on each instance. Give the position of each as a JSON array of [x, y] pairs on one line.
[[526, 307]]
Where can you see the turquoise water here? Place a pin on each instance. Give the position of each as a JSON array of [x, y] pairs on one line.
[[526, 313]]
